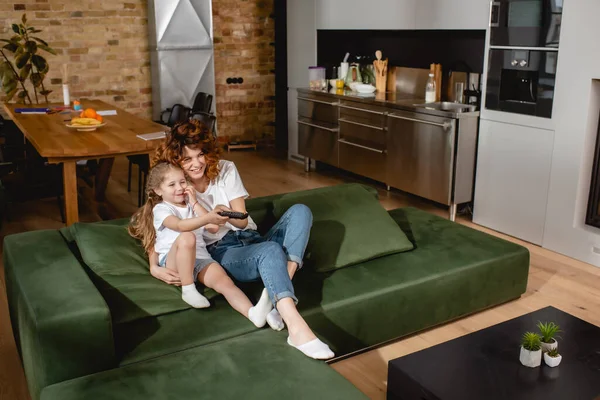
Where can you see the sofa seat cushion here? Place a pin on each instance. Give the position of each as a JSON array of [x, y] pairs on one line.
[[119, 269], [260, 365], [453, 271], [349, 226]]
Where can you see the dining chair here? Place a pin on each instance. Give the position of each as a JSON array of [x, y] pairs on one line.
[[209, 120], [202, 103], [178, 113]]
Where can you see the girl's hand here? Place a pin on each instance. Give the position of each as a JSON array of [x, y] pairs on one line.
[[214, 218], [166, 275], [190, 192]]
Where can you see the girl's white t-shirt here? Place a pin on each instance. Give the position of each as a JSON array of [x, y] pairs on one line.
[[165, 237], [226, 186]]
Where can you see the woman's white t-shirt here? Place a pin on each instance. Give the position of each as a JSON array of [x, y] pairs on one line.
[[226, 186], [165, 237]]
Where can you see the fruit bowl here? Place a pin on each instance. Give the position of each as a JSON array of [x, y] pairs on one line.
[[85, 128]]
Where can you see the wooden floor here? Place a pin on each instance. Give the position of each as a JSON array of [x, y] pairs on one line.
[[554, 280]]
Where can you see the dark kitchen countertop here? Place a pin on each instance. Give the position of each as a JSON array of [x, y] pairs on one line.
[[397, 100]]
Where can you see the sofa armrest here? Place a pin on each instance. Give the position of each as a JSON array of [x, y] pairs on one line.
[[61, 324]]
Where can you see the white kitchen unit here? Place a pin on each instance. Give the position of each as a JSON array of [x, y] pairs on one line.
[[360, 14], [513, 174], [452, 14]]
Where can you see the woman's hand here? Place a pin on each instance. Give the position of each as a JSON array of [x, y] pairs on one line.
[[166, 275], [221, 207]]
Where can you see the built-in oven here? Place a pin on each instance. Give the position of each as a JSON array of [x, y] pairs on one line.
[[528, 23], [521, 81]]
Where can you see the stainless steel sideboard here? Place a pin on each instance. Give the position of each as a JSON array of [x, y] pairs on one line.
[[424, 149]]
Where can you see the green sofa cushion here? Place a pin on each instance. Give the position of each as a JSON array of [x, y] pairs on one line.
[[349, 226], [119, 269], [260, 365]]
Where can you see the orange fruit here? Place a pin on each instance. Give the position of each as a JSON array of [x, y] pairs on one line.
[[99, 118], [82, 114], [90, 113]]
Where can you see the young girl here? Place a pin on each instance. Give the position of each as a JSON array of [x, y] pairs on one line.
[[172, 227]]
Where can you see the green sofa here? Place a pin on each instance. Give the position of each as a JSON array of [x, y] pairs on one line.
[[78, 337]]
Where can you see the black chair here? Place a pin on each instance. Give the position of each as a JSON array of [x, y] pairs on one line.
[[209, 120], [178, 113], [24, 174], [202, 103]]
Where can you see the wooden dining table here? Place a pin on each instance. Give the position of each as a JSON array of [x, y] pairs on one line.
[[53, 140]]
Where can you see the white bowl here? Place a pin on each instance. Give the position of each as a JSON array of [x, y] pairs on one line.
[[362, 88]]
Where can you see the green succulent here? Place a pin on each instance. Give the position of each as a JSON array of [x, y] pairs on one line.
[[531, 341], [548, 331], [553, 353], [27, 64]]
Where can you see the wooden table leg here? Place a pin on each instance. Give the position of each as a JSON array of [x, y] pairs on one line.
[[70, 191], [102, 176]]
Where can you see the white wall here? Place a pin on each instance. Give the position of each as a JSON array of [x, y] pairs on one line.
[[576, 107], [302, 53], [366, 14], [452, 14]]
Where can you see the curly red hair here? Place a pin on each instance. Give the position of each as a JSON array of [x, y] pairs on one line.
[[193, 134]]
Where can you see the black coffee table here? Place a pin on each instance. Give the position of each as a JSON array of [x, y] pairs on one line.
[[485, 365]]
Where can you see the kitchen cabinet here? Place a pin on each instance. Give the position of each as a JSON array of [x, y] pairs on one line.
[[513, 173], [318, 128], [452, 14], [358, 14], [362, 139], [421, 154]]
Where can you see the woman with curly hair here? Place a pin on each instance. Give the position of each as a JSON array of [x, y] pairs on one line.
[[237, 246]]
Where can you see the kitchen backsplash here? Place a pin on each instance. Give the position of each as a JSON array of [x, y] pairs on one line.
[[456, 50]]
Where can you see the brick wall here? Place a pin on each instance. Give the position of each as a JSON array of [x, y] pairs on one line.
[[243, 32], [105, 44]]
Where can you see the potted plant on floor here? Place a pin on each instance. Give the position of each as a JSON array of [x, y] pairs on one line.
[[548, 331], [552, 358], [531, 350]]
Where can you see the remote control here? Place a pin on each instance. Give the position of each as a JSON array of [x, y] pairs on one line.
[[233, 214]]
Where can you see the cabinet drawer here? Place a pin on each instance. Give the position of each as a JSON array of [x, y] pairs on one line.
[[319, 142], [363, 134], [364, 114], [361, 160], [321, 109]]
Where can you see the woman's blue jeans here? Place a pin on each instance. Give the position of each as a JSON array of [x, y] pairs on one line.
[[247, 256]]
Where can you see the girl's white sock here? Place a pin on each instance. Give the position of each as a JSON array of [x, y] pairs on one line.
[[258, 314], [190, 295], [275, 321]]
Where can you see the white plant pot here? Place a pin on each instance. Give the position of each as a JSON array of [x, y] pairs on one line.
[[552, 361], [546, 347], [530, 359]]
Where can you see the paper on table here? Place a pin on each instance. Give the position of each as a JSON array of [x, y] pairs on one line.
[[107, 112], [152, 136]]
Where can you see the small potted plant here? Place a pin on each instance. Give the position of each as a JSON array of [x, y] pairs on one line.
[[552, 358], [548, 331], [531, 350]]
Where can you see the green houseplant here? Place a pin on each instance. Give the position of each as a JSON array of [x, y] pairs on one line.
[[531, 350], [552, 358], [548, 332], [28, 65]]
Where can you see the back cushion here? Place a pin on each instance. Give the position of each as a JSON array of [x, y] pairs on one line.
[[349, 226], [119, 269]]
